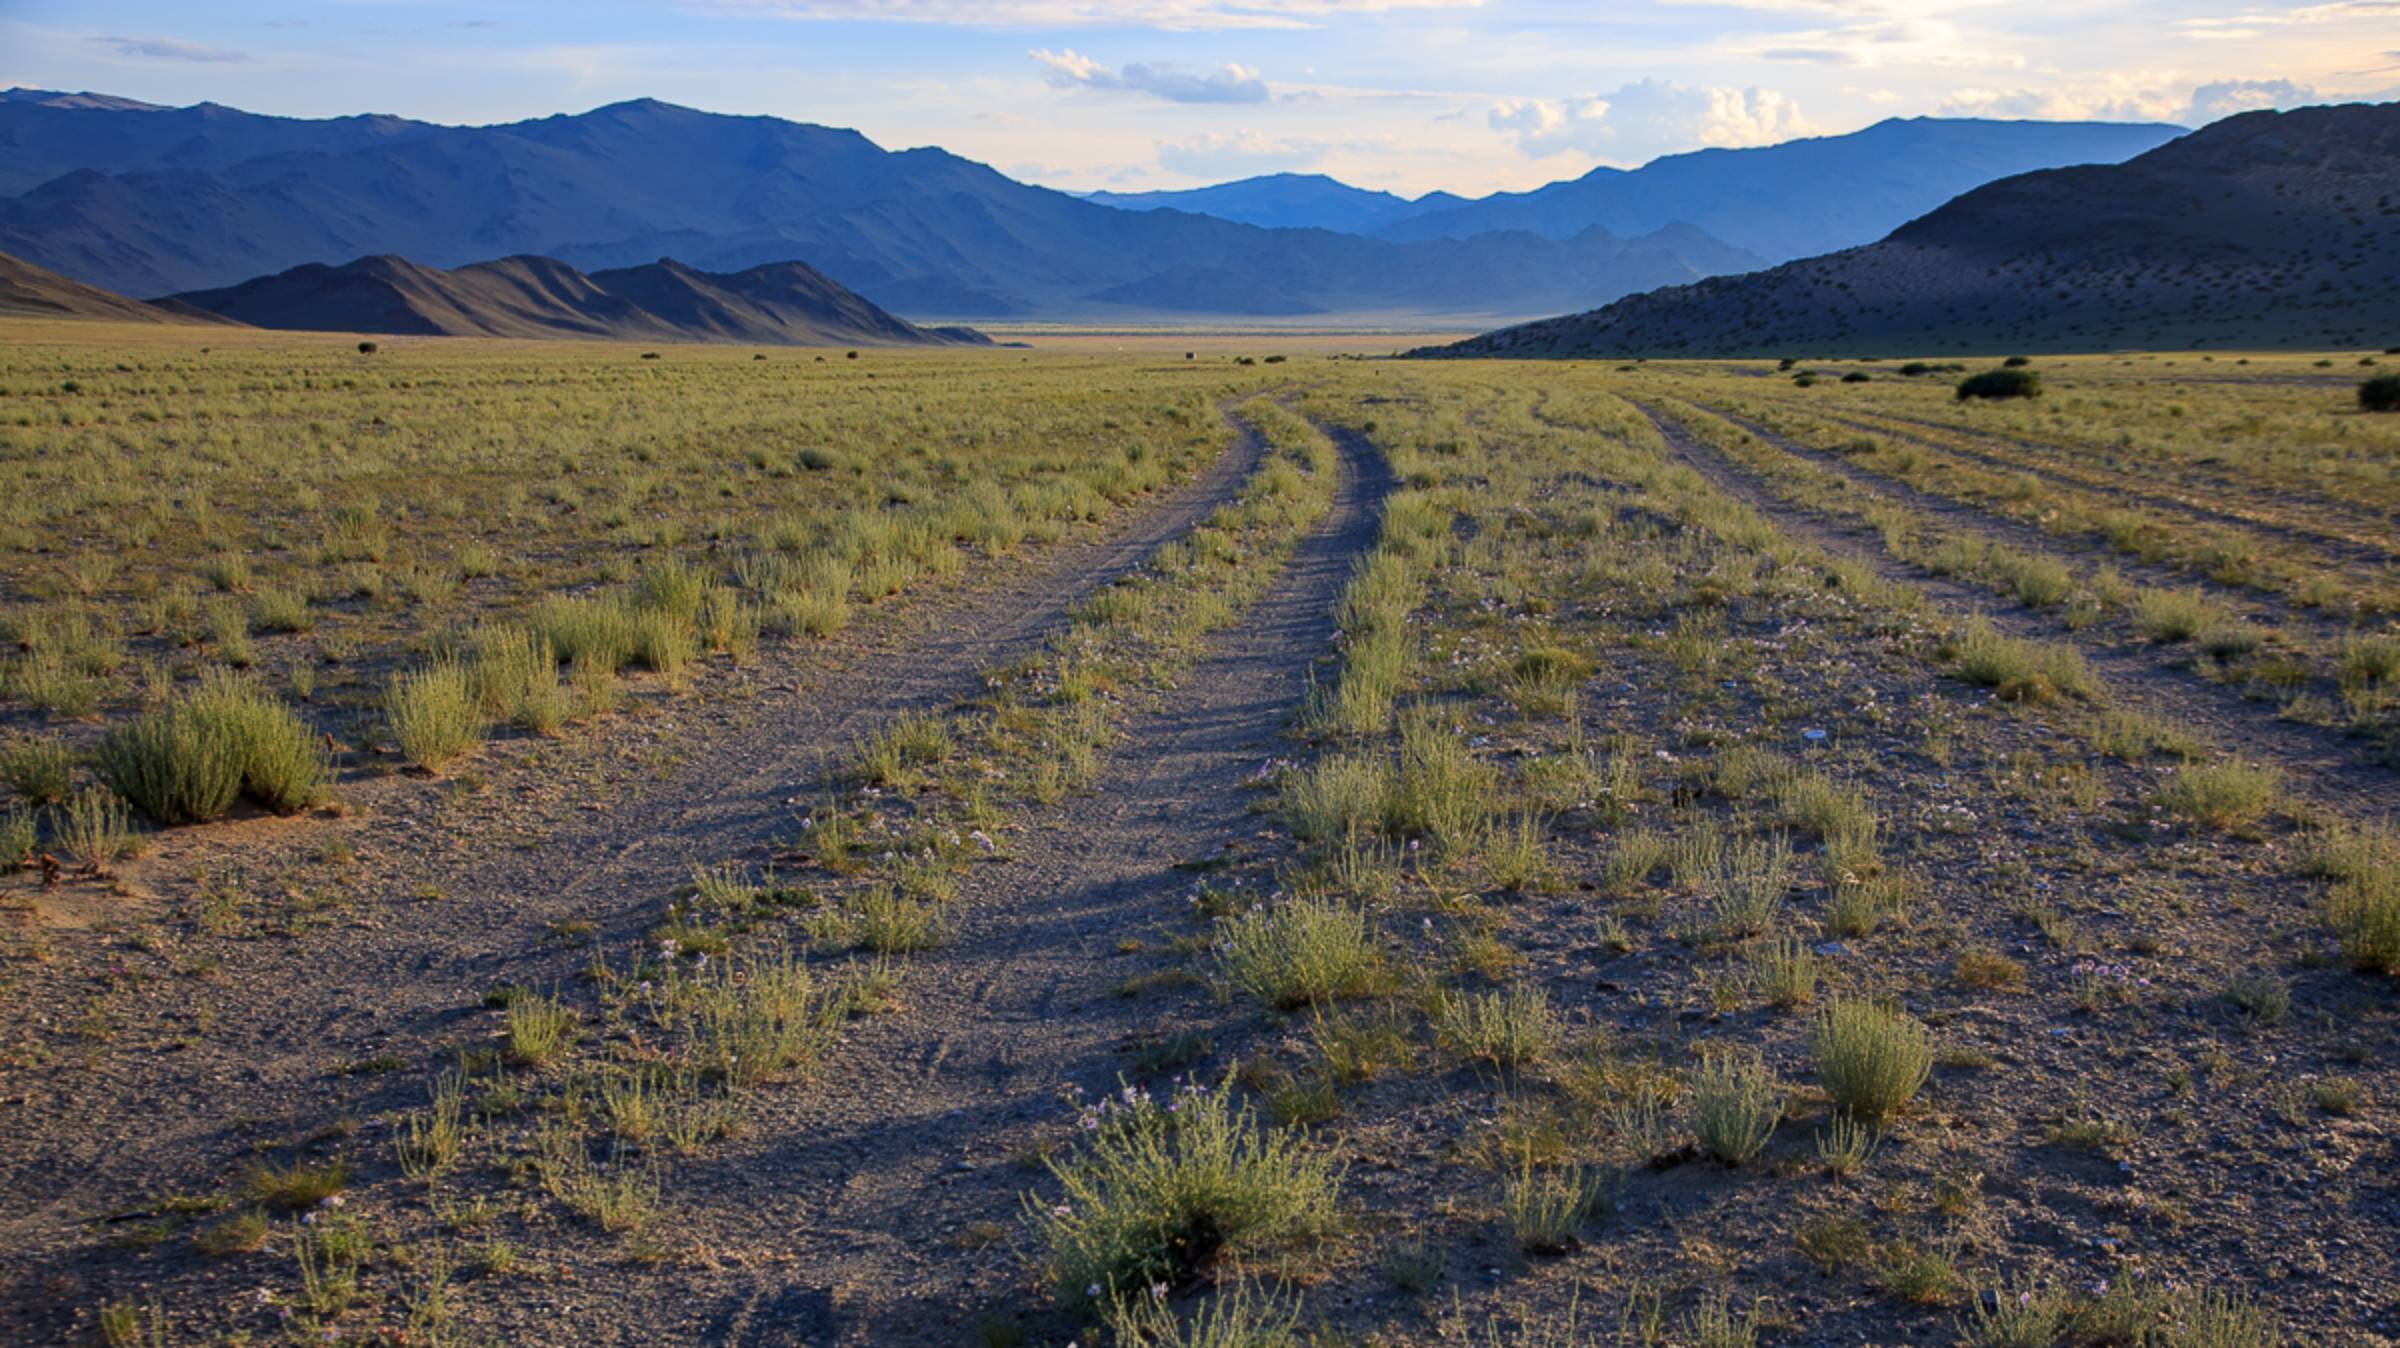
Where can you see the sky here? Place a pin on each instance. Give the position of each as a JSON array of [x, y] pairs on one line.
[[1471, 96]]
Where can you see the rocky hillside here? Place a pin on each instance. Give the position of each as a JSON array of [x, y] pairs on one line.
[[2264, 230]]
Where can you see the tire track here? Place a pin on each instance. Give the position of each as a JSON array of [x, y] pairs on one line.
[[2315, 764], [2259, 606], [904, 1149], [2369, 552], [404, 983]]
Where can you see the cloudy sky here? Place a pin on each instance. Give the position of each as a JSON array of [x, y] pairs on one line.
[[1407, 95]]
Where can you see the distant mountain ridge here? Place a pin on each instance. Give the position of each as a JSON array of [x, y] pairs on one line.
[[1287, 201], [1801, 197], [1778, 201], [146, 201], [2263, 230], [777, 304]]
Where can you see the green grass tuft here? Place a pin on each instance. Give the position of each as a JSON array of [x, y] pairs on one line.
[[434, 714], [1300, 952], [1871, 1059], [1159, 1194]]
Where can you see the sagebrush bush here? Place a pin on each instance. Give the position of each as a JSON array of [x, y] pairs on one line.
[[282, 611], [2020, 671], [187, 762], [2369, 661], [1337, 798], [664, 642], [1374, 669], [2213, 1318], [2176, 615], [516, 679], [2003, 383], [888, 922], [672, 587], [93, 828], [1871, 1059], [1507, 1028], [434, 714], [1746, 884], [177, 765], [2380, 394], [1157, 1195], [1546, 1208], [1442, 791], [277, 760], [2223, 795], [2037, 581], [19, 830], [1543, 679], [758, 1017], [42, 771], [1299, 952], [1785, 970], [589, 631], [2030, 1317], [2364, 912], [45, 681], [1816, 805], [726, 625], [1228, 1319], [1735, 1107], [893, 755]]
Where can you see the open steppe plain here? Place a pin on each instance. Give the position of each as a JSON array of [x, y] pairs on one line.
[[542, 843]]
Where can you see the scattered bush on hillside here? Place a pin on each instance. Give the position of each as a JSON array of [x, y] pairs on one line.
[[1805, 379], [2000, 384], [1856, 377], [2380, 394], [2017, 362], [366, 348]]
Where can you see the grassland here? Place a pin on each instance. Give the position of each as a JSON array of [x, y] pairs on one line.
[[322, 519], [1329, 851]]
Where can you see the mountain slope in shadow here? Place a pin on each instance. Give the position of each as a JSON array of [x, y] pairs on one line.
[[2264, 230], [33, 292], [778, 304]]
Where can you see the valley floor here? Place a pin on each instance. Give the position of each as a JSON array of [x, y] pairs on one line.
[[1329, 851]]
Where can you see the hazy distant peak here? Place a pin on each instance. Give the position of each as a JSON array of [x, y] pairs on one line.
[[52, 98]]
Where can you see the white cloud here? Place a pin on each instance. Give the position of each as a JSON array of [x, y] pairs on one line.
[[1238, 154], [2224, 98], [170, 49], [2249, 23], [1071, 69], [1170, 15], [2133, 98], [2112, 103], [1876, 42], [1650, 118]]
